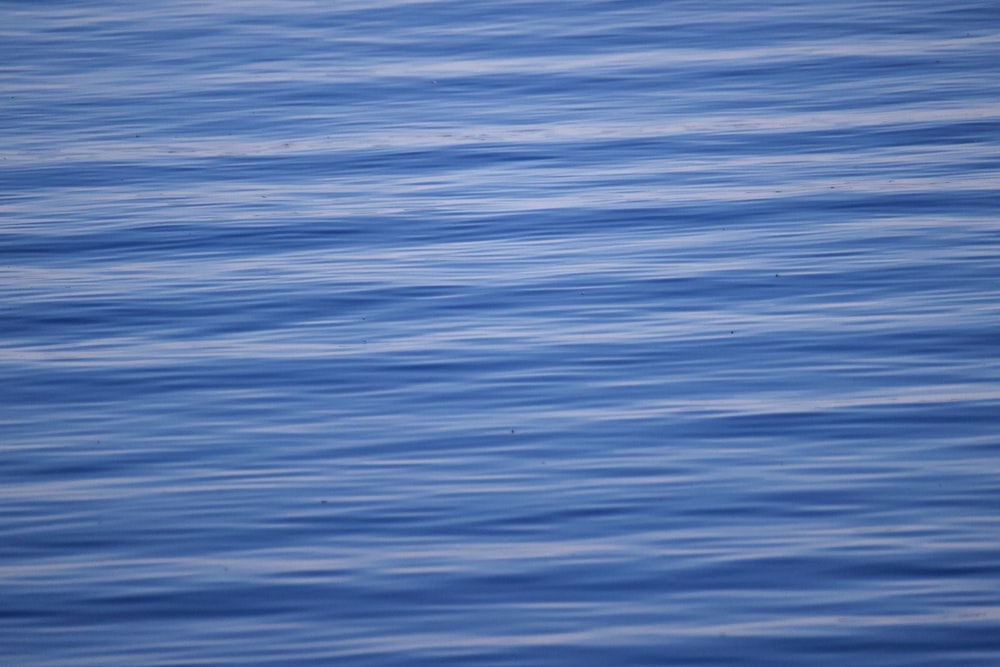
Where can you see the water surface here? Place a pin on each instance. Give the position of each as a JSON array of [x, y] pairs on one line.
[[455, 333]]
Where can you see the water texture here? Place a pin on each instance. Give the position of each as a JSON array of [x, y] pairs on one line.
[[481, 333]]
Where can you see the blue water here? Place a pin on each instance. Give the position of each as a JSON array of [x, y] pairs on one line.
[[481, 333]]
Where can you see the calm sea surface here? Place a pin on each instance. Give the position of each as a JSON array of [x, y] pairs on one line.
[[499, 333]]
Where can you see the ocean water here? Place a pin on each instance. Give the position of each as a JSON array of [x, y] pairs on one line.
[[481, 333]]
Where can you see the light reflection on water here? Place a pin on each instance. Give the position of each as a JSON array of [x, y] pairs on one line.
[[430, 333]]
